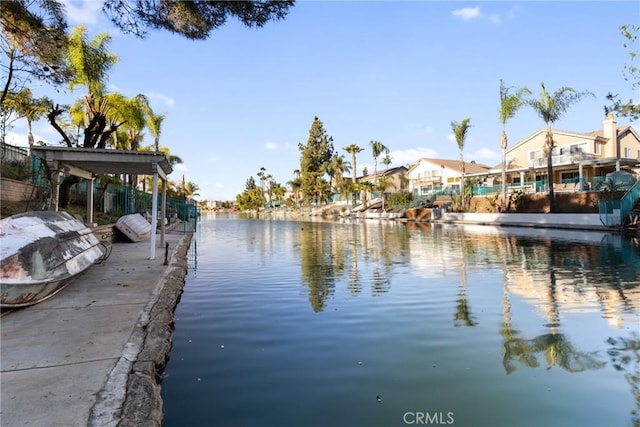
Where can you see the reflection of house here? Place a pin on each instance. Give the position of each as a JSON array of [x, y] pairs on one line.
[[578, 158], [440, 175]]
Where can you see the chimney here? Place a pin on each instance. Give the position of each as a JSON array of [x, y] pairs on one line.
[[610, 132]]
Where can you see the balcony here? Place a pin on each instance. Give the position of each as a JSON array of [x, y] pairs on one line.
[[561, 159]]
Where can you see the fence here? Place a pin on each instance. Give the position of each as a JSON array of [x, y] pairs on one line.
[[119, 199]]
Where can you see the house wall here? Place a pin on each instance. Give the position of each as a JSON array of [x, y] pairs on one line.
[[629, 141], [419, 175]]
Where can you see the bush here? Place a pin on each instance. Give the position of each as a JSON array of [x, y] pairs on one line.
[[400, 198], [15, 169]]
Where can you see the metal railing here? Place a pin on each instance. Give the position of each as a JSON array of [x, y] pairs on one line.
[[628, 201]]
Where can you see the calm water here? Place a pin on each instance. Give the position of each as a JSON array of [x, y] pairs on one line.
[[370, 323]]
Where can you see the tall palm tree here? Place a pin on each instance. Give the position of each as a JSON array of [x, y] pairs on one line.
[[353, 149], [377, 148], [510, 103], [460, 132], [550, 108]]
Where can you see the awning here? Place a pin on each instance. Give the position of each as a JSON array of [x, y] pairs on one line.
[[87, 163]]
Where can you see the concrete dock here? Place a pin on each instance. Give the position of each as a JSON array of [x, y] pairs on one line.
[[90, 355]]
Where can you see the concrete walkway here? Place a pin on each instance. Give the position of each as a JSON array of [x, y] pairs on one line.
[[68, 360]]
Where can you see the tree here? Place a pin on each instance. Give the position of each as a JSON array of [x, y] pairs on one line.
[[91, 62], [353, 149], [377, 148], [192, 19], [336, 169], [460, 133], [190, 190], [23, 105], [34, 43], [251, 197], [550, 108], [154, 124], [313, 161], [510, 103], [631, 72]]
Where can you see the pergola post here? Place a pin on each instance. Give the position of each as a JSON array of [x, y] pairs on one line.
[[55, 190], [164, 212], [154, 216], [90, 184]]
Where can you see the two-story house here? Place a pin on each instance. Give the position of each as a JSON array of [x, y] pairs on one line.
[[433, 176], [580, 160]]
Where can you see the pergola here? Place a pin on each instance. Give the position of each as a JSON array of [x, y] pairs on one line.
[[88, 163]]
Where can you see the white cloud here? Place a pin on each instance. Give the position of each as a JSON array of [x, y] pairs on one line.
[[467, 13], [181, 167], [20, 139], [163, 98], [485, 153], [83, 12], [411, 156], [271, 146]]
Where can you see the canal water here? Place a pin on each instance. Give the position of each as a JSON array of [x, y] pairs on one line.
[[381, 323]]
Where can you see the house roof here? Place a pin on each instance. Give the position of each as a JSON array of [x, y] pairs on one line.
[[470, 167], [385, 172]]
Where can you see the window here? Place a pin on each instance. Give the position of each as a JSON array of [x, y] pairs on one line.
[[597, 147], [627, 153]]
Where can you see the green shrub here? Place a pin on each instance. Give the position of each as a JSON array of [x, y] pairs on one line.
[[400, 198], [15, 169]]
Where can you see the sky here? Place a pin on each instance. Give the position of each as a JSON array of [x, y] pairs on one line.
[[395, 72]]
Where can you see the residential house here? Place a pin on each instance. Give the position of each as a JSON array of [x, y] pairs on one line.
[[394, 177], [429, 177], [580, 160]]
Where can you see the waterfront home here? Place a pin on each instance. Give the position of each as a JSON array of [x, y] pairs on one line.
[[580, 160], [437, 176]]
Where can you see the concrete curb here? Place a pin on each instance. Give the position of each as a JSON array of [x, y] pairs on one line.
[[131, 394]]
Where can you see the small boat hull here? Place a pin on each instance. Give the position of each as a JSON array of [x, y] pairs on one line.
[[134, 227], [42, 252]]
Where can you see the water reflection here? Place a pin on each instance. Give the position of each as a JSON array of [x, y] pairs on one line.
[[476, 313]]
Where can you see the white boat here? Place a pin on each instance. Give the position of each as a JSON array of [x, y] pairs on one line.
[[134, 227], [42, 252]]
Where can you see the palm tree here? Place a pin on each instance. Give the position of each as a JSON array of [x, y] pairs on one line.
[[335, 169], [550, 108], [154, 124], [377, 148], [460, 132], [510, 103], [30, 108], [353, 149], [190, 189]]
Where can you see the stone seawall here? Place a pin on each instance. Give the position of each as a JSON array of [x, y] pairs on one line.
[[143, 403]]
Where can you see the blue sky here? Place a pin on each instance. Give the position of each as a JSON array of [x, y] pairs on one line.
[[397, 72]]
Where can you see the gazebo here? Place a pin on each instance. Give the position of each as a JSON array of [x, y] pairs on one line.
[[88, 163]]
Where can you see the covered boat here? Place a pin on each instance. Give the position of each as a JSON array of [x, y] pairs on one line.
[[41, 252], [134, 226]]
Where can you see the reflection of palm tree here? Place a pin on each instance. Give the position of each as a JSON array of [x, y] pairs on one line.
[[555, 347], [463, 315], [625, 356], [553, 313]]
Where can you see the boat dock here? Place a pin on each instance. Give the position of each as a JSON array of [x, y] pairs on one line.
[[89, 355]]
